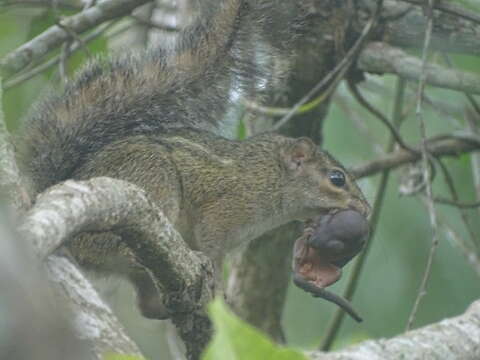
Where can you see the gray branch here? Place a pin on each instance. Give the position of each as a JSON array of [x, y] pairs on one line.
[[32, 326], [455, 338], [92, 318], [382, 58], [440, 147], [54, 36], [104, 204], [405, 28], [402, 28]]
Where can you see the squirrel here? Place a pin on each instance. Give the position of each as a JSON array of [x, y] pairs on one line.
[[157, 119]]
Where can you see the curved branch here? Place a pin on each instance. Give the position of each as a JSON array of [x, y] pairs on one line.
[[375, 112], [92, 318], [104, 204]]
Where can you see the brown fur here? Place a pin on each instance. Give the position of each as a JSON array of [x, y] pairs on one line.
[[154, 119]]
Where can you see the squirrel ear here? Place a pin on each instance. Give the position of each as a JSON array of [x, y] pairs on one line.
[[299, 152]]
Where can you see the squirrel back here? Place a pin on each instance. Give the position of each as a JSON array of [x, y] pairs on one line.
[[187, 85]]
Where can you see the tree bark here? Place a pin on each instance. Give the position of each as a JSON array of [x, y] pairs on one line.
[[455, 338]]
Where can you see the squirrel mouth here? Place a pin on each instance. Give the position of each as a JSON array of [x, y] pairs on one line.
[[313, 267], [313, 273]]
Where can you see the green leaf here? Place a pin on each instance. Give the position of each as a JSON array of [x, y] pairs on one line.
[[236, 340]]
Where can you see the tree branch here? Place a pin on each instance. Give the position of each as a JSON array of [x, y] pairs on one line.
[[72, 48], [54, 36], [436, 147], [455, 338], [382, 58], [450, 8], [93, 319], [33, 325], [405, 26], [104, 204]]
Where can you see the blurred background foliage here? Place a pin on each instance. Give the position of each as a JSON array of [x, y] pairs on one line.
[[395, 265]]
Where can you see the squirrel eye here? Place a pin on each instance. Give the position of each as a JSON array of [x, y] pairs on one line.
[[337, 178]]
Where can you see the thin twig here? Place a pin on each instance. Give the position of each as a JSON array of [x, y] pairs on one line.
[[54, 36], [64, 52], [336, 321], [281, 111], [20, 78], [359, 122], [426, 168], [333, 326], [470, 254], [375, 112], [453, 192], [338, 71], [473, 123], [76, 37]]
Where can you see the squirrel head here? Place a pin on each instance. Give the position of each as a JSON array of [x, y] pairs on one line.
[[319, 184]]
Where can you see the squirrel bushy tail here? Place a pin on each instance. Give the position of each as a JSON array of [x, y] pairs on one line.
[[187, 85]]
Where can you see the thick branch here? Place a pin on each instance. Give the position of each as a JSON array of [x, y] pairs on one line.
[[33, 324], [104, 204], [381, 58], [54, 36], [455, 338], [441, 147], [92, 318]]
